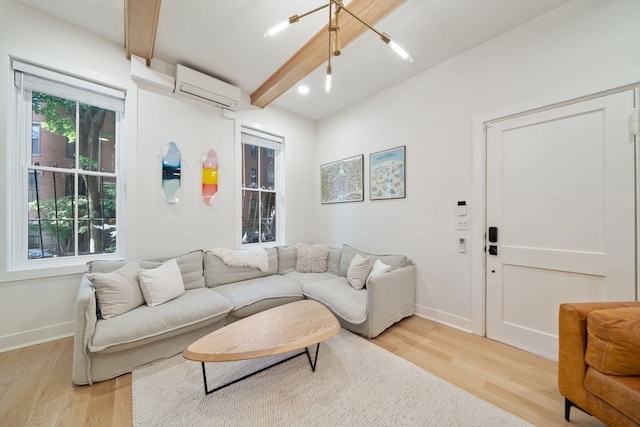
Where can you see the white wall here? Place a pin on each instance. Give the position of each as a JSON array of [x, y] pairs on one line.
[[581, 48], [195, 127], [39, 306]]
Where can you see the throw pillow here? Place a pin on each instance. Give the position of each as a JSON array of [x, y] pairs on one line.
[[311, 258], [286, 259], [119, 291], [378, 269], [358, 271], [161, 284]]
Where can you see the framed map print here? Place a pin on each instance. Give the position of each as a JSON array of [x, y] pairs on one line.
[[387, 174], [342, 181]]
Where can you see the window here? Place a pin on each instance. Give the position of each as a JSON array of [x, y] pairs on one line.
[[35, 139], [262, 199], [68, 203]]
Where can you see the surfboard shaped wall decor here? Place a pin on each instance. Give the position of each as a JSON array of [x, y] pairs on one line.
[[209, 176], [171, 181]]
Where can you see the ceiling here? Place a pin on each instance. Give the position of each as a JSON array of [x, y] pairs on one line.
[[224, 38]]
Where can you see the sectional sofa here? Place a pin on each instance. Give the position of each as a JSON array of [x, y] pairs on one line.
[[129, 313]]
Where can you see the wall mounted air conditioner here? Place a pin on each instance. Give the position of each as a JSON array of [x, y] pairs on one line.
[[201, 87]]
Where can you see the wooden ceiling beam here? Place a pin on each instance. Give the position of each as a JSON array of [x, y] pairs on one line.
[[315, 52], [140, 27]]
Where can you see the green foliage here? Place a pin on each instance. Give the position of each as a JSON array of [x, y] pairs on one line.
[[59, 114]]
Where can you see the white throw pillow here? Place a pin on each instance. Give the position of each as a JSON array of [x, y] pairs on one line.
[[378, 269], [119, 291], [161, 284], [358, 271], [311, 258]]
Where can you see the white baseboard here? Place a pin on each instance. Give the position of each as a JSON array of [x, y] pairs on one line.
[[444, 318], [36, 336]]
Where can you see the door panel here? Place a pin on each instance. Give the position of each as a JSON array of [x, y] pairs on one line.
[[561, 190]]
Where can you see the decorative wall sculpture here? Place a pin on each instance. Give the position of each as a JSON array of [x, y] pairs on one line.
[[171, 173]]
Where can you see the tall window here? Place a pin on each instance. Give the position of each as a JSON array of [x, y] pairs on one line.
[[68, 201], [261, 187]]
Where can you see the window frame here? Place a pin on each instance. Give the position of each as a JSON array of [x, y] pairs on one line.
[[275, 142], [19, 165]]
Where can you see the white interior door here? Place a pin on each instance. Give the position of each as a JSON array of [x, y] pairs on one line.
[[561, 193]]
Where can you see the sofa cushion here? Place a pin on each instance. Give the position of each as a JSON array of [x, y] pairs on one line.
[[333, 263], [304, 278], [245, 294], [358, 271], [217, 273], [340, 297], [620, 392], [311, 258], [613, 346], [191, 266], [394, 261], [119, 291], [286, 259], [161, 284], [192, 310]]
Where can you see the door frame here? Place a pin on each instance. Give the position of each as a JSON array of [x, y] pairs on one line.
[[479, 190]]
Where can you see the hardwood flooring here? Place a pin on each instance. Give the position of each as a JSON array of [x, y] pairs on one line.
[[36, 388]]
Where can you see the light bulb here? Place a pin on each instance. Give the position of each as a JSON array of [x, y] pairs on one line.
[[327, 81], [400, 51], [281, 26]]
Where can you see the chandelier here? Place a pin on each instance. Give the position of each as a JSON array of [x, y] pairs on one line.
[[335, 7]]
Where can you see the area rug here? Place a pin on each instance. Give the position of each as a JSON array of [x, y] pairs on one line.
[[356, 383]]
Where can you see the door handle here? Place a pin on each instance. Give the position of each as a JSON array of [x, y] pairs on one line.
[[493, 238]]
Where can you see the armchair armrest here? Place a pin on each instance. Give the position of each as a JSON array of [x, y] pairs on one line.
[[391, 297], [572, 345], [85, 324]]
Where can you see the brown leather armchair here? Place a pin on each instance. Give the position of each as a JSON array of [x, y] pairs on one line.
[[599, 360]]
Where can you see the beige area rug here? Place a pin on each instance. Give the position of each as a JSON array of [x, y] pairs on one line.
[[356, 383]]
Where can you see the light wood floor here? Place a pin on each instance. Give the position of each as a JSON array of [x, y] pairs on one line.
[[36, 388]]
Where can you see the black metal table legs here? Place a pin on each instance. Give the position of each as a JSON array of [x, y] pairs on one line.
[[313, 365]]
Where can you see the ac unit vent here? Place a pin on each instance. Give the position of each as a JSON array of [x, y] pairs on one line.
[[201, 87]]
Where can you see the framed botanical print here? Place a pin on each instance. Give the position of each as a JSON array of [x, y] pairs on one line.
[[387, 174]]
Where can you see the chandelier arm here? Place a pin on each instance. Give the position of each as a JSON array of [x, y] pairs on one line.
[[312, 11], [383, 36]]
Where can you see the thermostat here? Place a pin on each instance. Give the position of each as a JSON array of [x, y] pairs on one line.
[[462, 208]]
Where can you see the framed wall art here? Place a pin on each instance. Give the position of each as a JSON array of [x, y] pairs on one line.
[[387, 174], [342, 181]]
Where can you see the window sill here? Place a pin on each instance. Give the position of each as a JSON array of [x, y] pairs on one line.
[[49, 268]]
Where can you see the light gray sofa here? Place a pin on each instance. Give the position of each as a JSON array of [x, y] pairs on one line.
[[218, 294]]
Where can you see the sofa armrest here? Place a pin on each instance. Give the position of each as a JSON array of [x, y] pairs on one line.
[[572, 345], [85, 324], [391, 297]]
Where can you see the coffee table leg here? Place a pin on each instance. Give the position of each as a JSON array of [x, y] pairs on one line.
[[313, 364], [315, 361]]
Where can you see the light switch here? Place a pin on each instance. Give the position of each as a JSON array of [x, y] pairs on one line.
[[462, 223]]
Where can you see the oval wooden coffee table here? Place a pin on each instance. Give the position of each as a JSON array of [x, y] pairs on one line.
[[275, 331]]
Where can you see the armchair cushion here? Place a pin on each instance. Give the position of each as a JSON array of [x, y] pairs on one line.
[[613, 347], [622, 393]]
